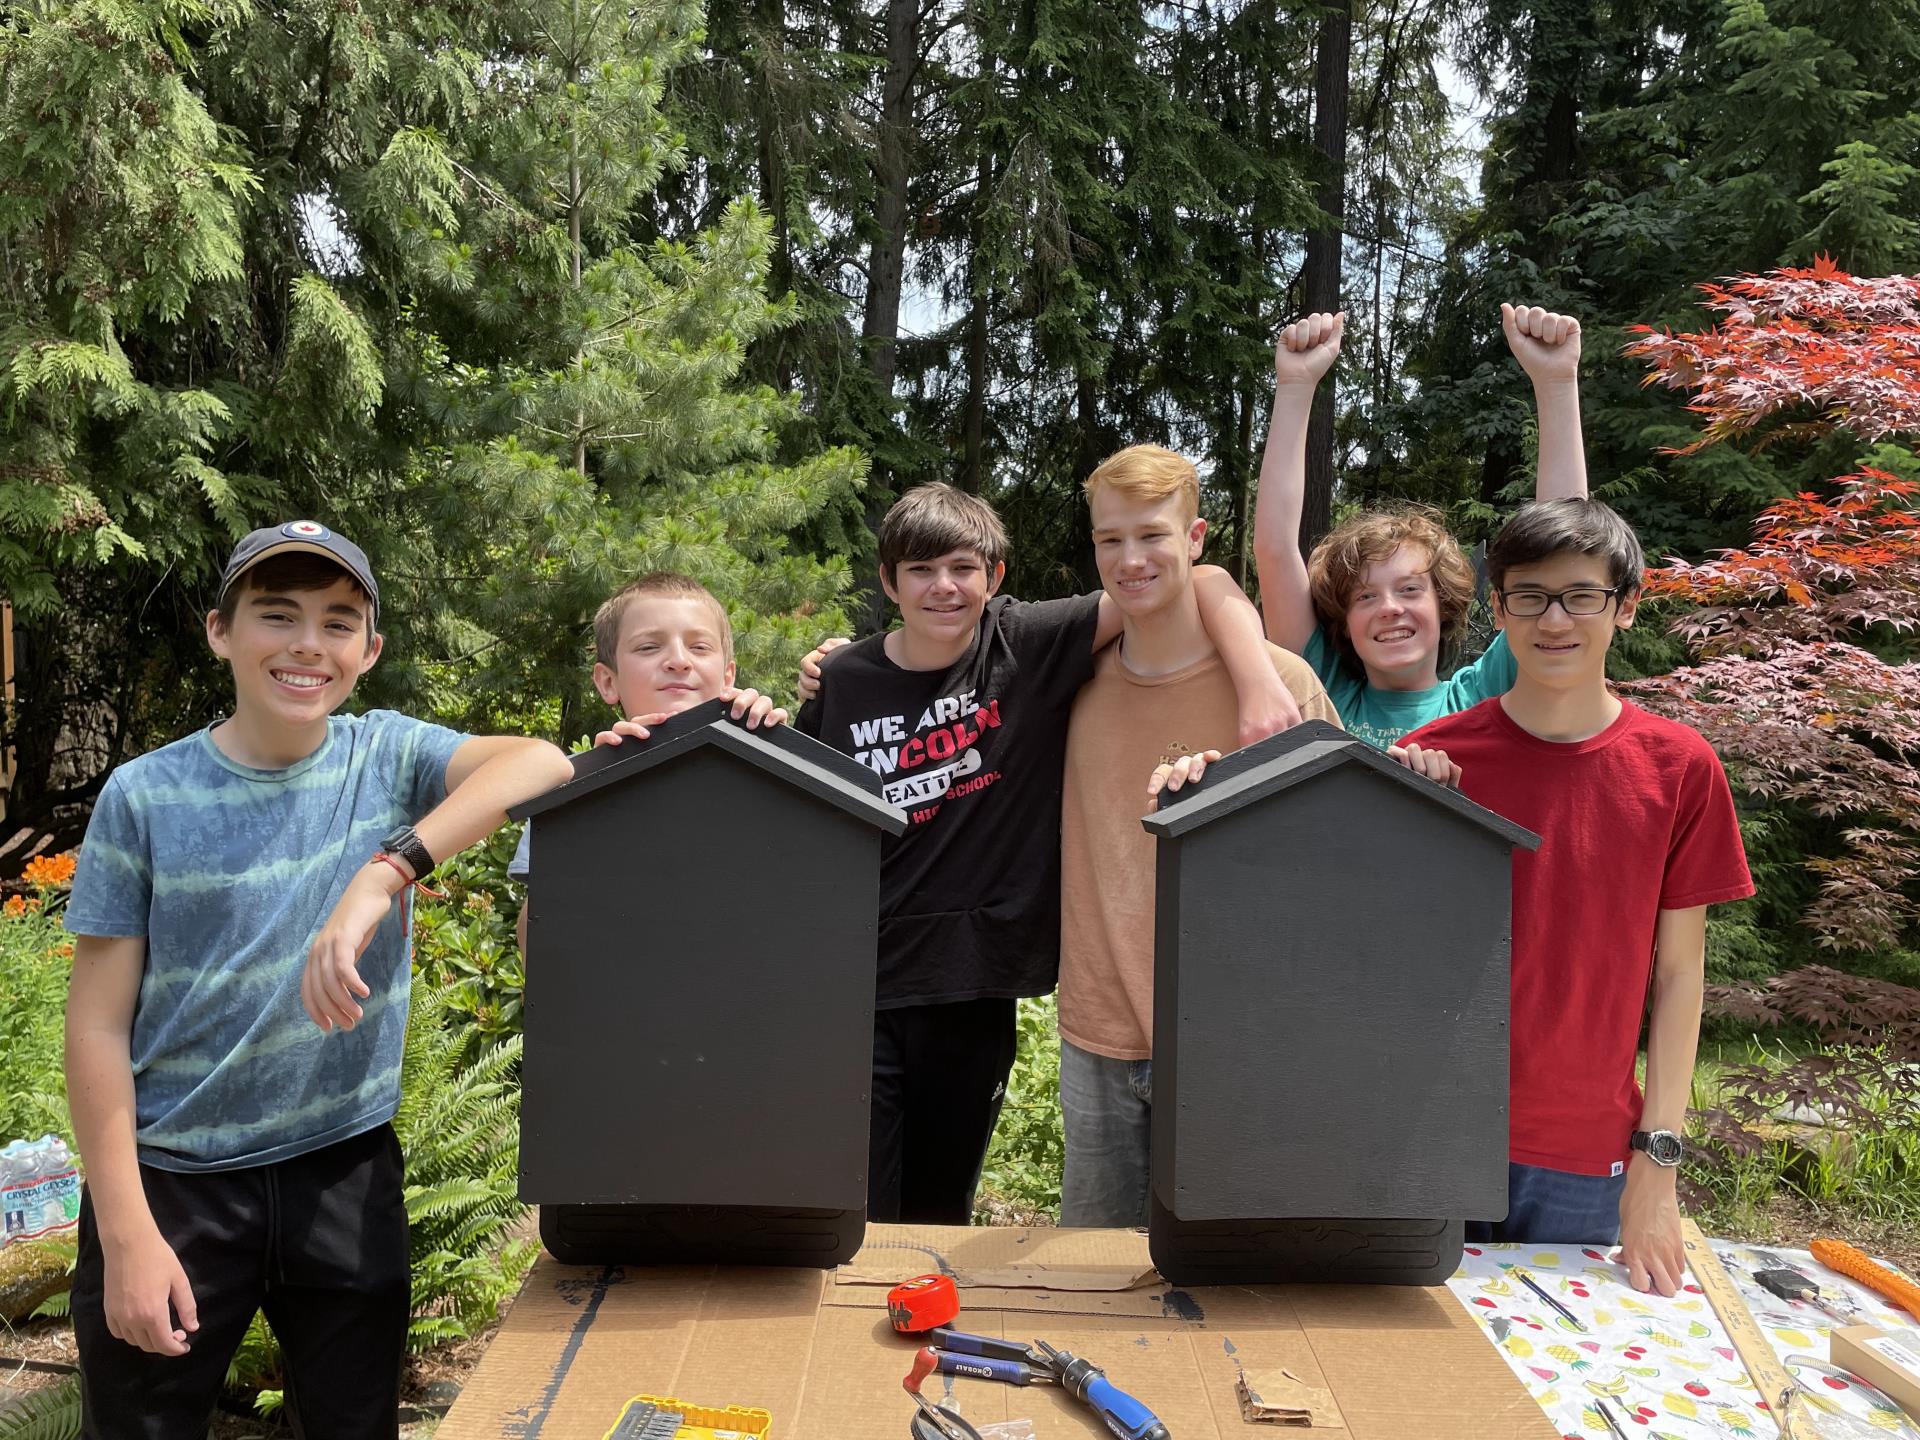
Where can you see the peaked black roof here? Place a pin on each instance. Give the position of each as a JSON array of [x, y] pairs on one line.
[[1284, 760], [780, 750]]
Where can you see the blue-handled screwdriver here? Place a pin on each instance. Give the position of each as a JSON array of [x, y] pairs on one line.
[[1125, 1416]]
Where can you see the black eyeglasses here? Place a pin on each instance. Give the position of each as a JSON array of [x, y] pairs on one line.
[[1581, 600]]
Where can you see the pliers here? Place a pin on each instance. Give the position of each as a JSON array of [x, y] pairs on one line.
[[985, 1358], [931, 1422]]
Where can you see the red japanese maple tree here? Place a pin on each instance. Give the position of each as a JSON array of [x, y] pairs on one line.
[[1784, 687], [1816, 339]]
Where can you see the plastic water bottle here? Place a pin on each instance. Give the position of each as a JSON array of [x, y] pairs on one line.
[[60, 1184], [40, 1193], [16, 1167]]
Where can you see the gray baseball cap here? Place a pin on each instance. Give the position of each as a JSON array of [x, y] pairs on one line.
[[304, 537]]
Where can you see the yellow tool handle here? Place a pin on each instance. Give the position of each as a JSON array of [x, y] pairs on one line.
[[1842, 1257]]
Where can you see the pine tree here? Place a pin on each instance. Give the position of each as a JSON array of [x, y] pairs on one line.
[[392, 266], [1633, 149], [604, 426]]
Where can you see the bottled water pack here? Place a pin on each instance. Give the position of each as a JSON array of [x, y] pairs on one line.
[[39, 1189]]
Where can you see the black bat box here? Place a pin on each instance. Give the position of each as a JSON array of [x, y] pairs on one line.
[[699, 1004], [1331, 1011]]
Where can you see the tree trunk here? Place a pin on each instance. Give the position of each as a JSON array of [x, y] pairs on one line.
[[886, 261], [1320, 280], [887, 255], [1539, 194], [973, 418], [770, 19], [1246, 475], [1248, 469], [1094, 445], [574, 197]]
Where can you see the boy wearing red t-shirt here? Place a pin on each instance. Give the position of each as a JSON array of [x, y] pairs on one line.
[[1638, 837]]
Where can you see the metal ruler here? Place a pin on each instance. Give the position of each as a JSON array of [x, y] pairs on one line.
[[1770, 1377]]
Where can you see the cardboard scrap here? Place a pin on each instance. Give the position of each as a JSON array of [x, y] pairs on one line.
[[1890, 1362], [1044, 1260], [1280, 1397], [820, 1356]]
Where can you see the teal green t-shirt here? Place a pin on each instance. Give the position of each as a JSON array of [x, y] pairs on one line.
[[1381, 717]]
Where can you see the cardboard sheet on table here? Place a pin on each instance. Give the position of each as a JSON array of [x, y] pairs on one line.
[[821, 1357]]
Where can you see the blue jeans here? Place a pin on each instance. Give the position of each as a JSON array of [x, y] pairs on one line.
[[1553, 1207], [1107, 1110]]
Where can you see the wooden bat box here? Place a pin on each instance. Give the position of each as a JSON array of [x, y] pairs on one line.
[[699, 1004], [1331, 1002]]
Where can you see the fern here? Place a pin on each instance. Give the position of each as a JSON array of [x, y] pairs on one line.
[[50, 1414], [458, 1123], [256, 1364], [54, 1307], [458, 1126]]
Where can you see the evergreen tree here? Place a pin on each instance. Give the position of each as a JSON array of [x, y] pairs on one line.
[[1635, 148], [599, 418], [383, 265]]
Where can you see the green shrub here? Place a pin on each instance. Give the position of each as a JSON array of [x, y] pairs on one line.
[[457, 1123], [466, 940], [459, 1126], [1838, 1044], [1022, 1170], [49, 1414], [36, 961]]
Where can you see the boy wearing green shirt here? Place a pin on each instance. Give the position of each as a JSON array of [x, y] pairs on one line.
[[1387, 593]]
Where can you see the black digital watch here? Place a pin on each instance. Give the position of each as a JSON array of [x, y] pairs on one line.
[[404, 843], [1663, 1147]]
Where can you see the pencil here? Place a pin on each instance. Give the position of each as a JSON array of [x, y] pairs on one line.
[[1571, 1318]]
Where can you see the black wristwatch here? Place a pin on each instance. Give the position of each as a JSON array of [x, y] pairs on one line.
[[404, 843], [1663, 1147]]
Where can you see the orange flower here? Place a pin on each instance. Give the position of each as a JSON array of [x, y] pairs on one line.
[[16, 906], [45, 871]]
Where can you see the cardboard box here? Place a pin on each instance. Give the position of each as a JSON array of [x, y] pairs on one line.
[[1890, 1361], [815, 1348]]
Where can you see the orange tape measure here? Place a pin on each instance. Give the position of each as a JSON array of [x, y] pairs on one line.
[[923, 1303]]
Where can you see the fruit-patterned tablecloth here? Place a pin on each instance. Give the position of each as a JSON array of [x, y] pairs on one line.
[[1664, 1367]]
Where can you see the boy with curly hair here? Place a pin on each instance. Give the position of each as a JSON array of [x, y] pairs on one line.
[[1383, 599]]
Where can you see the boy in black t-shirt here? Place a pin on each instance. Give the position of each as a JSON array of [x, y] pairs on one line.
[[963, 712]]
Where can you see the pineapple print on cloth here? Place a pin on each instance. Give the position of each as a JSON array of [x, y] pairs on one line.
[[1665, 1368]]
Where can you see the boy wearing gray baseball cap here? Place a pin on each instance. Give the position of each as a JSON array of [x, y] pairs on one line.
[[238, 1009]]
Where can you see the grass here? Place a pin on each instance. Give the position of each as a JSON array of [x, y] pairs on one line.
[[1802, 1179]]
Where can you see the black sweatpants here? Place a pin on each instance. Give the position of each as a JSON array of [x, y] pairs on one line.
[[318, 1241], [939, 1075]]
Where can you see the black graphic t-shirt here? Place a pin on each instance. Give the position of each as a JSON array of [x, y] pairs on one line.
[[970, 894]]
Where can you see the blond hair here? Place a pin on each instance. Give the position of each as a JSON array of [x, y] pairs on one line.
[[1148, 472], [1339, 564], [607, 619]]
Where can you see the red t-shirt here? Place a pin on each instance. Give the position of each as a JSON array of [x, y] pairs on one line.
[[1632, 821]]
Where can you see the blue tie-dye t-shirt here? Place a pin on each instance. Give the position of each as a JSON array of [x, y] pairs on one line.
[[229, 872]]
